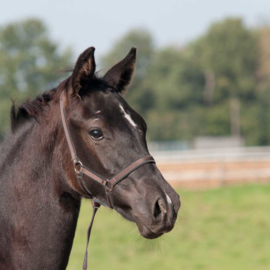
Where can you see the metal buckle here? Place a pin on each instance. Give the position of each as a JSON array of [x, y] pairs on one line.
[[77, 165], [108, 188]]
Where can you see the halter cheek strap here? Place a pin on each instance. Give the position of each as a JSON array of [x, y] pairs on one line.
[[81, 170]]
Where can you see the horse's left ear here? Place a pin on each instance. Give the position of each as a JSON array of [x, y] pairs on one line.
[[120, 75], [84, 69]]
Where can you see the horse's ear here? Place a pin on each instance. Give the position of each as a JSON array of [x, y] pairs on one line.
[[120, 75], [84, 69]]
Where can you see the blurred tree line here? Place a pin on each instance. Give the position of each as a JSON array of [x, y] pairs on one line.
[[30, 62], [218, 85]]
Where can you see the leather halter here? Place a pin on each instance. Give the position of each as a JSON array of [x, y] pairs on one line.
[[82, 170]]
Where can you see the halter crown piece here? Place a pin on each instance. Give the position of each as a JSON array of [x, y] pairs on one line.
[[81, 170]]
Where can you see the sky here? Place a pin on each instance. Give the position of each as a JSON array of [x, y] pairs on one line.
[[84, 23]]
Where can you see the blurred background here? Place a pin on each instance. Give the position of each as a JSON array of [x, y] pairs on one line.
[[203, 86]]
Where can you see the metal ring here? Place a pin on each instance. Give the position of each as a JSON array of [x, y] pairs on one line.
[[77, 162]]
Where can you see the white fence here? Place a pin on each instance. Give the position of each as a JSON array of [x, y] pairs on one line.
[[215, 167], [213, 155]]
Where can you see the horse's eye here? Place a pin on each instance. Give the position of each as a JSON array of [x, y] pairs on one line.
[[96, 134]]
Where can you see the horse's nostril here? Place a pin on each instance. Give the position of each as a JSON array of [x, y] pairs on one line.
[[157, 210]]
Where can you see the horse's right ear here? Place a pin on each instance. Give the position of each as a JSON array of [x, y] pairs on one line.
[[84, 70], [120, 75]]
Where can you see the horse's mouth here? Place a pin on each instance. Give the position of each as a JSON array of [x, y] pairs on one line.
[[145, 231]]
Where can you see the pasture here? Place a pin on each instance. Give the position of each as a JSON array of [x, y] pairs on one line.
[[225, 228]]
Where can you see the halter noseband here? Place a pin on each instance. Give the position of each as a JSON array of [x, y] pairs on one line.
[[82, 170]]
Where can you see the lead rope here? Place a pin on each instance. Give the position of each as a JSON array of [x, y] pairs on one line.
[[95, 206]]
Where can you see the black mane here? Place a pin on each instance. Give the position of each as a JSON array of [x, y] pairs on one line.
[[30, 109]]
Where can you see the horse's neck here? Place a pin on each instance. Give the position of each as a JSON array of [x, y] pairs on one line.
[[38, 213]]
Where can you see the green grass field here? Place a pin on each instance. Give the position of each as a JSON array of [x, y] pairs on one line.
[[227, 228]]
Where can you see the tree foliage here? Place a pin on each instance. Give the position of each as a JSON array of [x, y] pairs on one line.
[[30, 63], [217, 85]]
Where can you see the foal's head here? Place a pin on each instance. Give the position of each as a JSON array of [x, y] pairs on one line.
[[109, 135]]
